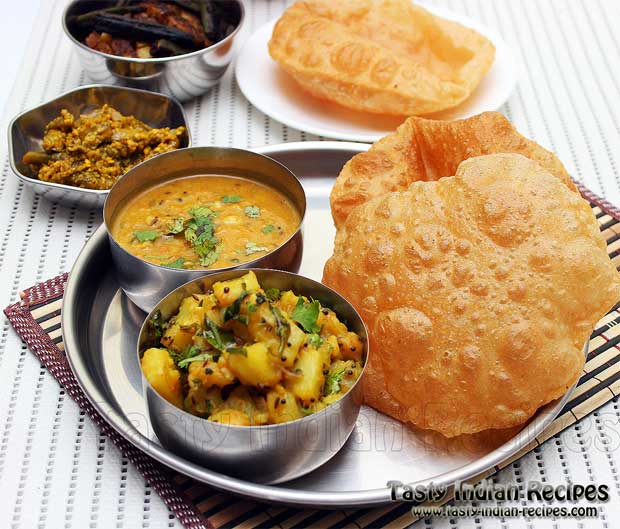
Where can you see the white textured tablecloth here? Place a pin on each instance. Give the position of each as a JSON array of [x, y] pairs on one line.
[[57, 471]]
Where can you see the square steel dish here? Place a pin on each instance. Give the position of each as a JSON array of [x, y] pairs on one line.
[[26, 131]]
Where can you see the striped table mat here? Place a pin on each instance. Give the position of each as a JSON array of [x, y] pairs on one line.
[[36, 318]]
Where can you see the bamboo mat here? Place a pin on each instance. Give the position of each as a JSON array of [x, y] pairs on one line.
[[37, 319]]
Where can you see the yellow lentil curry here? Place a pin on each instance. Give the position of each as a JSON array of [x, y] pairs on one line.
[[205, 222], [94, 150], [245, 355]]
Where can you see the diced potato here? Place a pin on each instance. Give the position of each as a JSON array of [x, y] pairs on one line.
[[255, 369], [227, 292], [176, 338], [309, 365], [282, 405], [193, 310], [231, 417], [294, 342], [288, 301], [202, 401], [330, 324], [210, 373], [188, 321], [254, 407], [351, 346], [161, 372], [341, 376]]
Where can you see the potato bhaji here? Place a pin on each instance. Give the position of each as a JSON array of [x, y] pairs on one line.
[[244, 355]]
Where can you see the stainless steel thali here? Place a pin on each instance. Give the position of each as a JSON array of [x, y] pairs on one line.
[[100, 327]]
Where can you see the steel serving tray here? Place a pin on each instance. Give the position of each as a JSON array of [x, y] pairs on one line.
[[100, 328]]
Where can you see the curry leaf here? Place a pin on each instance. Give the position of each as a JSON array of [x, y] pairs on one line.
[[232, 311], [272, 294]]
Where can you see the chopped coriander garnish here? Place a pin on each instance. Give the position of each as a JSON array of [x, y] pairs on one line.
[[332, 382], [231, 199], [176, 226], [252, 247], [145, 235], [272, 294], [306, 315], [252, 211], [315, 340], [200, 233], [177, 263], [198, 358], [268, 228]]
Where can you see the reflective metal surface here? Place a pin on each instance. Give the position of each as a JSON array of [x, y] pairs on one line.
[[183, 77], [146, 283], [100, 329], [26, 132], [250, 452]]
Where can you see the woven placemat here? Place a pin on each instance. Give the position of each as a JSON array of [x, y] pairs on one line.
[[36, 319]]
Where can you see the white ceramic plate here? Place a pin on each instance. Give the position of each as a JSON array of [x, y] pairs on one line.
[[276, 94]]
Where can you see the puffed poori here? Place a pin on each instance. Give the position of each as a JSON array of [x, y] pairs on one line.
[[380, 56], [479, 292], [423, 149]]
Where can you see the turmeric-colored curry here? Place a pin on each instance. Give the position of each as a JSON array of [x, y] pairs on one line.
[[245, 355], [205, 222]]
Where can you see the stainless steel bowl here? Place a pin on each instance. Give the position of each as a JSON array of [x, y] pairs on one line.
[[146, 283], [183, 76], [26, 132], [263, 454]]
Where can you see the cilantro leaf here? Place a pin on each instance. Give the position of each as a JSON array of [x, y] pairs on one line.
[[198, 358], [145, 235], [231, 199], [177, 263], [200, 233], [252, 247], [332, 382], [252, 211], [306, 315], [268, 228], [201, 211], [315, 340], [176, 226], [192, 353], [272, 294]]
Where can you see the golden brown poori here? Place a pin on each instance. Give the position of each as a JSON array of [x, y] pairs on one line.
[[423, 149], [479, 292], [380, 56]]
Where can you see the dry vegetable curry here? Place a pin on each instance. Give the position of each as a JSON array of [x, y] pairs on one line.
[[244, 355], [94, 150], [205, 222]]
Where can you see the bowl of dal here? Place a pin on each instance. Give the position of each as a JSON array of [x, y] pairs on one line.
[[196, 211]]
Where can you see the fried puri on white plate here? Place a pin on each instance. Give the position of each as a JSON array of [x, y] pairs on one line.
[[380, 56], [479, 291]]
